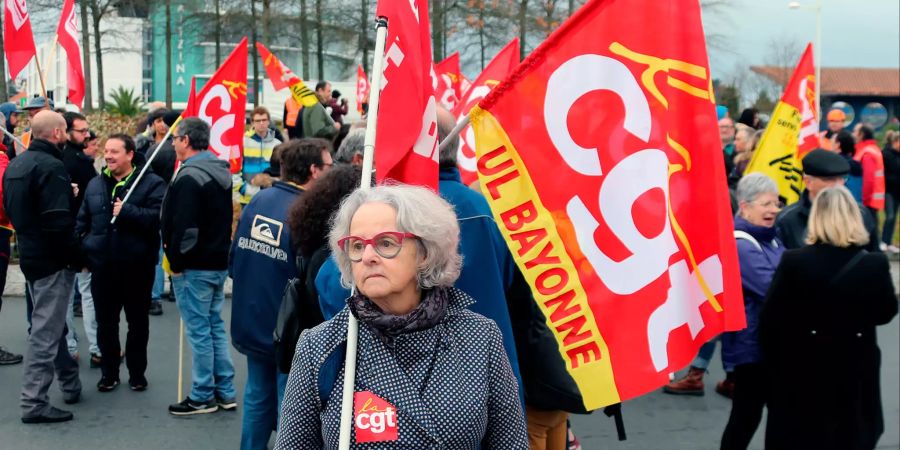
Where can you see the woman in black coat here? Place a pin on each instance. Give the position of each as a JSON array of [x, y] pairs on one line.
[[818, 336]]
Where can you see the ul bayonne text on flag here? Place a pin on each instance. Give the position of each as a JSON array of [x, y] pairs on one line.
[[601, 160]]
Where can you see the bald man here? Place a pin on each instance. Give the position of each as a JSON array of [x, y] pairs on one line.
[[38, 197]]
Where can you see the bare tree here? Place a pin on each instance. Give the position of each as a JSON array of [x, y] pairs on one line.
[[438, 22], [320, 44], [783, 54], [304, 40], [255, 54], [99, 9], [363, 33], [523, 24], [217, 4], [266, 21]]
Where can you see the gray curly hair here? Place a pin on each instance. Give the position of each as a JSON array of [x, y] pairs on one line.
[[419, 211]]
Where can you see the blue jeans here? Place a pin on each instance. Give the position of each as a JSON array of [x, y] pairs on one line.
[[200, 295], [262, 402], [705, 354], [159, 283], [891, 208]]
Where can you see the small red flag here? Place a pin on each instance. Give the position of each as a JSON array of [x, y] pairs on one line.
[[407, 140], [362, 88], [18, 40], [503, 63], [221, 104], [67, 34], [446, 89]]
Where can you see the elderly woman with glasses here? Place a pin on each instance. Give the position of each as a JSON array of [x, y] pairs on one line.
[[759, 252], [429, 372]]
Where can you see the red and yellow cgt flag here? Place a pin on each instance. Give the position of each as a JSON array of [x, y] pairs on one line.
[[221, 103], [792, 132], [282, 77], [600, 158]]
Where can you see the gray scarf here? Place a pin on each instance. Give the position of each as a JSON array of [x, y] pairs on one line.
[[430, 312]]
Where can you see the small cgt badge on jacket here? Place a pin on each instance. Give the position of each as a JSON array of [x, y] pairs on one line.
[[374, 417]]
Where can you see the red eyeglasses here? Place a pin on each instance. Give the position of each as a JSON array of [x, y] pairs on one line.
[[387, 244]]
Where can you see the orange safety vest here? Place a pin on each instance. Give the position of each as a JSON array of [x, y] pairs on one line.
[[873, 174], [293, 112]]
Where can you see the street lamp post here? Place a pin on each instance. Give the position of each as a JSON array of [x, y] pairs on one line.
[[817, 7]]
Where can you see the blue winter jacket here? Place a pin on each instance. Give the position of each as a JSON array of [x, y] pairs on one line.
[[260, 263], [758, 264], [487, 270]]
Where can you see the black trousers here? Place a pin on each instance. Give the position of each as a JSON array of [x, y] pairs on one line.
[[125, 287], [746, 407]]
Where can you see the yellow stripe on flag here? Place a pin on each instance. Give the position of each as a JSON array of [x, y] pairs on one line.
[[302, 94], [776, 154], [530, 231]]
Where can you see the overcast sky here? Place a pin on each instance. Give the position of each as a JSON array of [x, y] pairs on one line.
[[855, 33]]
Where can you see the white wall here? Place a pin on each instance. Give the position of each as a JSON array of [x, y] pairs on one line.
[[121, 61]]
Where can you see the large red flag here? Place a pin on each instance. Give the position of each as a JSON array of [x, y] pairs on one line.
[[407, 141], [17, 38], [503, 63], [362, 88], [221, 104], [601, 161], [67, 33], [446, 82]]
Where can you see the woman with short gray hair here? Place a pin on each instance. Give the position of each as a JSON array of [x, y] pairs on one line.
[[759, 252], [419, 349]]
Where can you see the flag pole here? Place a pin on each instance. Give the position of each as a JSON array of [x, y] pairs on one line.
[[368, 160], [37, 63], [12, 137], [180, 356], [50, 60], [147, 165], [464, 122]]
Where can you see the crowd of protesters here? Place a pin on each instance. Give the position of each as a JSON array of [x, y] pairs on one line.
[[441, 304]]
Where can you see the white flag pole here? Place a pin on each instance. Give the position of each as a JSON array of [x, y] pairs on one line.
[[13, 137], [368, 160], [464, 122]]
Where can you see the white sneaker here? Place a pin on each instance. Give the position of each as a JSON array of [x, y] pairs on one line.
[[893, 249], [882, 246]]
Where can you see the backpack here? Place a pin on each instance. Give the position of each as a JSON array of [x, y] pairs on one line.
[[299, 308]]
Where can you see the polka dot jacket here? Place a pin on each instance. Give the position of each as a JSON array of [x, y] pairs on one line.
[[451, 385]]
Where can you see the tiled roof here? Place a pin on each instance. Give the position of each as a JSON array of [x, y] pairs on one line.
[[845, 80]]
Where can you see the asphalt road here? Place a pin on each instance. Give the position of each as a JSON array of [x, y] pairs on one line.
[[139, 420]]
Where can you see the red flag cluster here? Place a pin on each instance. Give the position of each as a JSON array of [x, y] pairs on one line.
[[407, 153], [19, 44], [18, 40]]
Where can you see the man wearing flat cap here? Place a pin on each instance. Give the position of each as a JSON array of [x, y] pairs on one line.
[[821, 169]]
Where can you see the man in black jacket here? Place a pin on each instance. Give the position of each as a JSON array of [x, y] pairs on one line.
[[81, 170], [122, 257], [196, 233], [821, 169], [38, 198]]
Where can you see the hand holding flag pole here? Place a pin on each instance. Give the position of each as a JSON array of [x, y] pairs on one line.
[[188, 109], [11, 136], [366, 182]]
